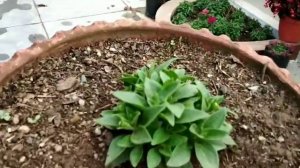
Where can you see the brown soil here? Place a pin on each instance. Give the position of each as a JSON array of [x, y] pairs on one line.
[[71, 90]]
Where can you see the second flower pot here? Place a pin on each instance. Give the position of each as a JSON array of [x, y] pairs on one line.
[[289, 29]]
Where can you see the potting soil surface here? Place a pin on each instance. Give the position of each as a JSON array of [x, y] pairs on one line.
[[54, 103]]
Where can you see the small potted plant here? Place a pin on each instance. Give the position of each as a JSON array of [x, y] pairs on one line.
[[280, 52], [289, 13], [152, 6]]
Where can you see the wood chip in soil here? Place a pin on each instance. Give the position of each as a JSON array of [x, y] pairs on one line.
[[70, 91]]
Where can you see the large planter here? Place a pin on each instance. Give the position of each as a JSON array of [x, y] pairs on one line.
[[94, 35], [289, 29], [152, 7], [167, 10], [143, 29]]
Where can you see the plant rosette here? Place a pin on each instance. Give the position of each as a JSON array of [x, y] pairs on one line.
[[166, 116], [280, 52]]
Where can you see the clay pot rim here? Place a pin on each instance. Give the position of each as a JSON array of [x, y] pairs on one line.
[[167, 10], [140, 29]]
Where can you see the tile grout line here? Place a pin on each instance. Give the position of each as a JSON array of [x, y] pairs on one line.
[[78, 17], [36, 8]]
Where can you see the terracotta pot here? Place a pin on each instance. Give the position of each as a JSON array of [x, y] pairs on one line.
[[63, 41], [289, 30], [167, 10]]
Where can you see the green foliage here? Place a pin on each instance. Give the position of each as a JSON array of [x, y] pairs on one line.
[[260, 33], [230, 21], [280, 48], [4, 115], [165, 116], [185, 8]]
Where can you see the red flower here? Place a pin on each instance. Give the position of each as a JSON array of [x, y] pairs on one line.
[[211, 19], [204, 11], [284, 7]]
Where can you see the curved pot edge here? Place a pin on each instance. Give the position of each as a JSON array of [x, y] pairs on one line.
[[166, 11], [244, 52]]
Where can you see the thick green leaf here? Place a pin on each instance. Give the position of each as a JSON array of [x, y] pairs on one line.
[[142, 74], [228, 140], [153, 158], [151, 87], [155, 76], [213, 134], [185, 91], [202, 88], [124, 123], [164, 77], [150, 114], [194, 129], [180, 72], [165, 151], [136, 155], [218, 145], [180, 156], [191, 115], [160, 136], [168, 89], [129, 79], [121, 159], [171, 74], [166, 64], [109, 121], [190, 103], [4, 115], [215, 120], [140, 136], [168, 116], [177, 109], [114, 151], [176, 139], [125, 142], [178, 128], [226, 127], [207, 155], [130, 98]]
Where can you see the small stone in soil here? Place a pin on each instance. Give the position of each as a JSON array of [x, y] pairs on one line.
[[22, 159], [97, 131], [261, 138], [16, 119], [58, 148], [75, 118], [280, 139], [81, 102], [24, 129]]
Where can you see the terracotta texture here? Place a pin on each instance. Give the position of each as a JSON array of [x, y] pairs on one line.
[[144, 29], [167, 10], [289, 29]]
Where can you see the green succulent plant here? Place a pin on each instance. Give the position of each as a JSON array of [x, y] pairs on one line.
[[163, 117]]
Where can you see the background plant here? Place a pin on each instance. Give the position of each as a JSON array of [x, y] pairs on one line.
[[289, 8], [163, 117], [229, 21]]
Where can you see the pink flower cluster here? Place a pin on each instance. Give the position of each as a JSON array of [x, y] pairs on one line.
[[210, 19], [284, 7]]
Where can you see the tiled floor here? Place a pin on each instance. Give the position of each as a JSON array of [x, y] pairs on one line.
[[25, 21]]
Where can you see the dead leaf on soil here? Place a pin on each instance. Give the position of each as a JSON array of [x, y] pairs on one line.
[[66, 84]]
